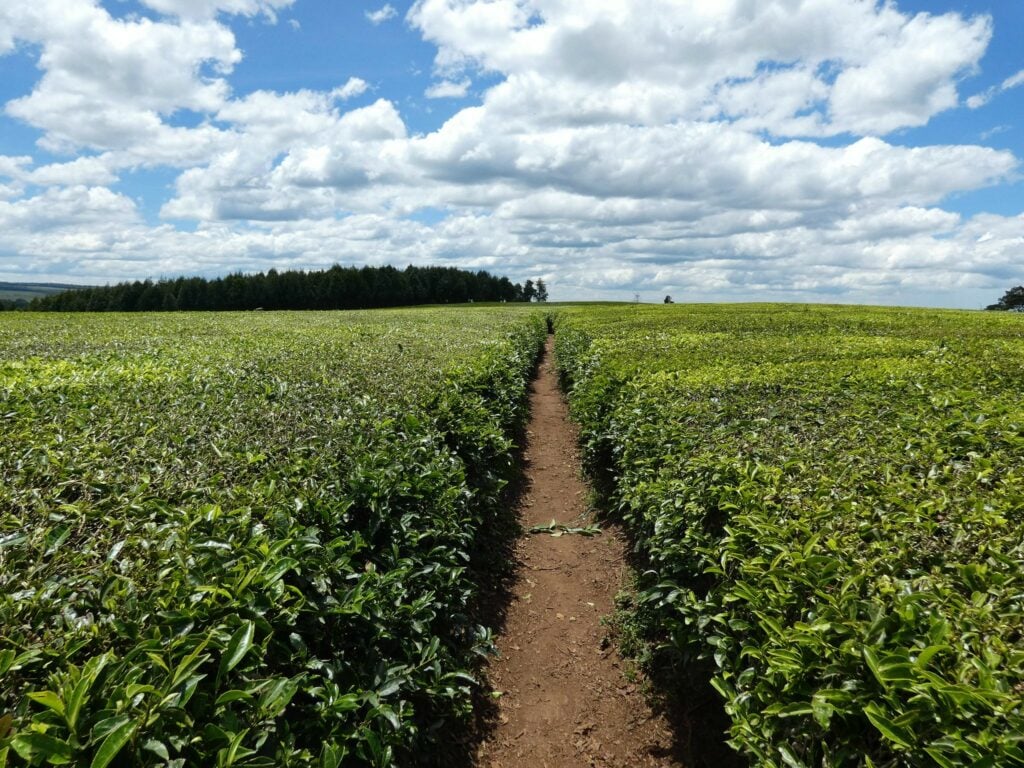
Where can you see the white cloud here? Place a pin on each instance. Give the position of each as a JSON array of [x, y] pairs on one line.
[[382, 14], [448, 89], [88, 171], [352, 88], [207, 9], [912, 79], [14, 167], [327, 155], [993, 131], [1013, 81], [857, 66], [66, 211], [109, 83], [983, 98], [81, 172], [708, 162]]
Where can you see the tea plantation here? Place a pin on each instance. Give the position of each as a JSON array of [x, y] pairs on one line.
[[248, 539], [829, 503], [261, 539]]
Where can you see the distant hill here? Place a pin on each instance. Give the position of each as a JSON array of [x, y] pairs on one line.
[[27, 291]]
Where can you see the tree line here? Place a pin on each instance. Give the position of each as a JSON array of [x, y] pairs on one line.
[[335, 288]]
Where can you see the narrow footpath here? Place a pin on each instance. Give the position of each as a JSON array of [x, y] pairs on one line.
[[565, 698]]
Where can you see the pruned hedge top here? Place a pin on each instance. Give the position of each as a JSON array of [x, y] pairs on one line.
[[830, 501], [245, 539]]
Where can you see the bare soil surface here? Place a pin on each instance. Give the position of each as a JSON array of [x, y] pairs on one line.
[[565, 700]]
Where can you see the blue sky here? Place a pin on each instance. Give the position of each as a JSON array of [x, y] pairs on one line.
[[839, 150], [999, 124]]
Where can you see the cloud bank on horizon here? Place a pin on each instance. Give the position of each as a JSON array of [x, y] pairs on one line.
[[736, 150]]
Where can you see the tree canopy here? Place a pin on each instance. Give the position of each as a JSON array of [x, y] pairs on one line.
[[335, 288], [1012, 301]]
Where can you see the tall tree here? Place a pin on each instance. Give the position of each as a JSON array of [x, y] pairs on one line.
[[542, 290]]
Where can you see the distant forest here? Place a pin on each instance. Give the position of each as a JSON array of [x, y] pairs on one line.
[[336, 288]]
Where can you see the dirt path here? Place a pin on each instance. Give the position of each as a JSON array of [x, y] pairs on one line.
[[565, 700]]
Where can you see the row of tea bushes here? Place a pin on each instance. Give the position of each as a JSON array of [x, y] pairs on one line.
[[248, 539], [830, 505]]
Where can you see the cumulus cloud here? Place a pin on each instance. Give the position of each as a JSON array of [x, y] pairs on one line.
[[650, 146], [81, 172], [837, 66], [912, 78], [91, 171], [354, 86], [382, 14], [327, 157], [448, 89], [65, 211], [110, 84], [14, 166]]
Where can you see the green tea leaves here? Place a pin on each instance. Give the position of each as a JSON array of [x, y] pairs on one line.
[[827, 502], [237, 647], [116, 737], [227, 537], [48, 699], [902, 737], [32, 746]]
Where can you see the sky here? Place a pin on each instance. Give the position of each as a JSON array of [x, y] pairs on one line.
[[727, 150]]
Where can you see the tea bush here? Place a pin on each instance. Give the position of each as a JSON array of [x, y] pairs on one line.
[[830, 505], [245, 539]]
